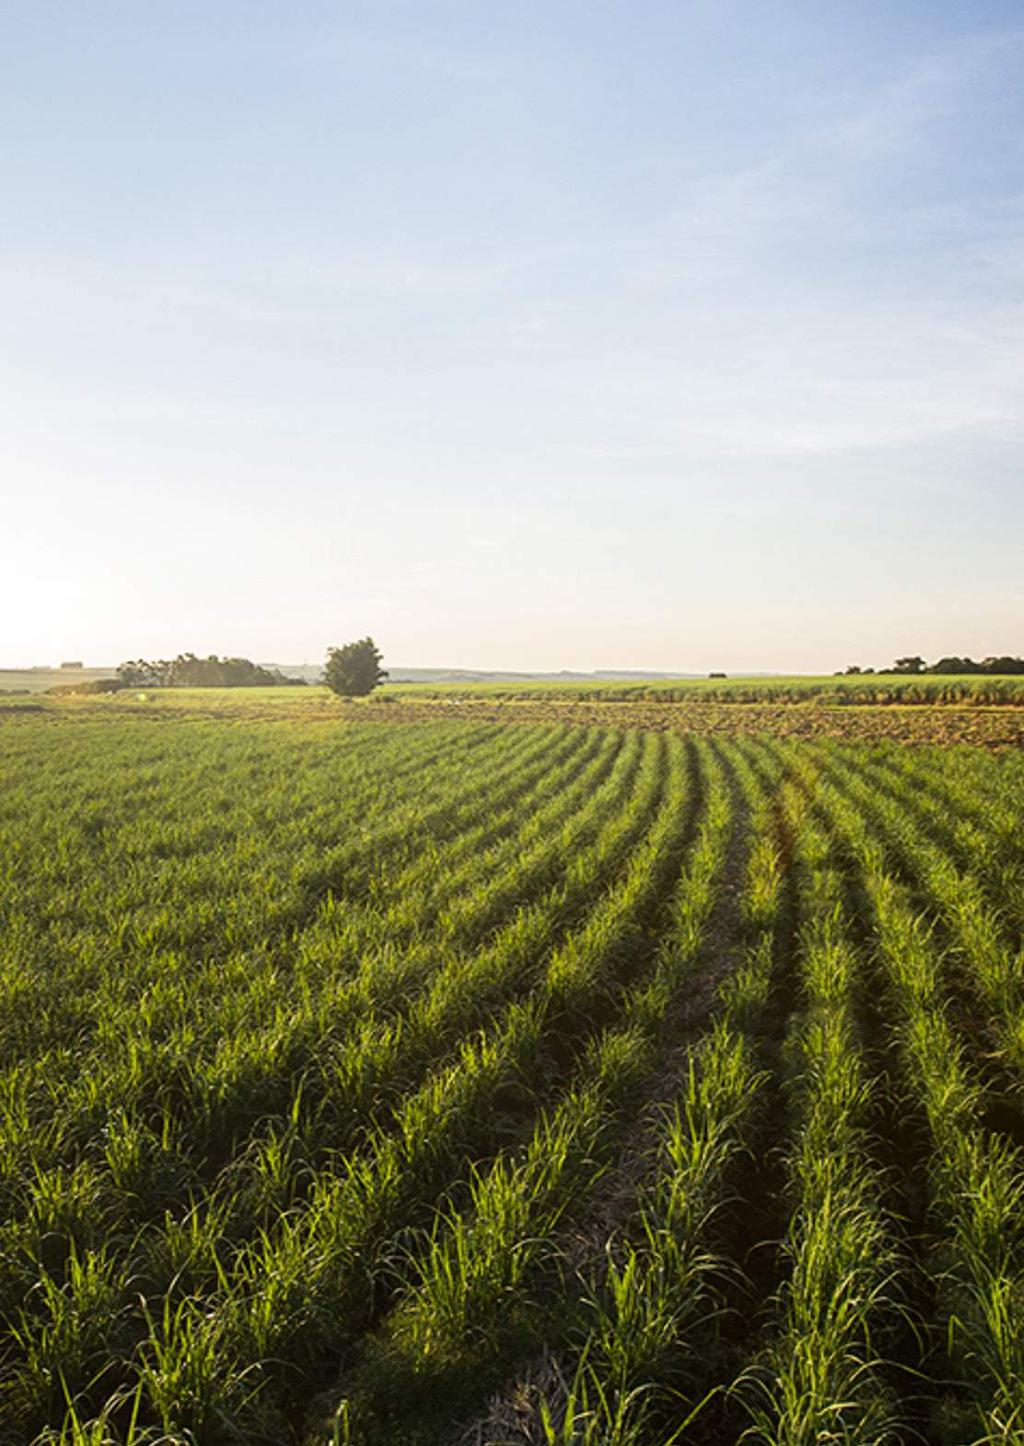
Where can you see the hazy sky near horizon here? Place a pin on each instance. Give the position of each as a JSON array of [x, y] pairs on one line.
[[560, 333]]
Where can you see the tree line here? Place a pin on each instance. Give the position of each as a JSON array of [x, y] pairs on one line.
[[189, 671], [916, 665], [352, 671]]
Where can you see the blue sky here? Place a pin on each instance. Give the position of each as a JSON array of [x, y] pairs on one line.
[[680, 336]]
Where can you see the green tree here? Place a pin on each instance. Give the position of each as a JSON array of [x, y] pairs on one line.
[[354, 670]]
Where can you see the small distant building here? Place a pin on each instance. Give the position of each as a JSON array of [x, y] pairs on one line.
[[75, 663]]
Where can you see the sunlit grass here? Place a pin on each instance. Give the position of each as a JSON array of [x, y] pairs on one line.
[[327, 1058]]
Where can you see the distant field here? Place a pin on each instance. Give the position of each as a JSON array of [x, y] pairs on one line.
[[876, 689], [37, 680], [415, 1084], [993, 726]]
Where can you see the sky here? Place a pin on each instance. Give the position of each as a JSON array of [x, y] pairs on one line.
[[535, 335]]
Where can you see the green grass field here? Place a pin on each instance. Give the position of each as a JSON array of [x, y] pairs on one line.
[[872, 690], [459, 1082], [990, 725], [37, 680], [842, 691]]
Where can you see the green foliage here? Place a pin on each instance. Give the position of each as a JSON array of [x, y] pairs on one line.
[[1003, 666], [979, 684], [392, 1084], [353, 671], [188, 671]]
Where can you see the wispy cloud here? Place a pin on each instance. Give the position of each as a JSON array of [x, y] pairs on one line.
[[933, 89]]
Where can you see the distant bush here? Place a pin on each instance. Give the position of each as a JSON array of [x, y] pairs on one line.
[[88, 685]]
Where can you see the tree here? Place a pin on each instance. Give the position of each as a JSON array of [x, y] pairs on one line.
[[354, 670], [909, 665], [138, 673], [954, 664]]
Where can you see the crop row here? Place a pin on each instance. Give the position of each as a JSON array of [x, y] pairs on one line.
[[457, 1083]]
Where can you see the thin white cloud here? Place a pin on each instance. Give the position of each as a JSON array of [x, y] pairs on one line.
[[934, 88]]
